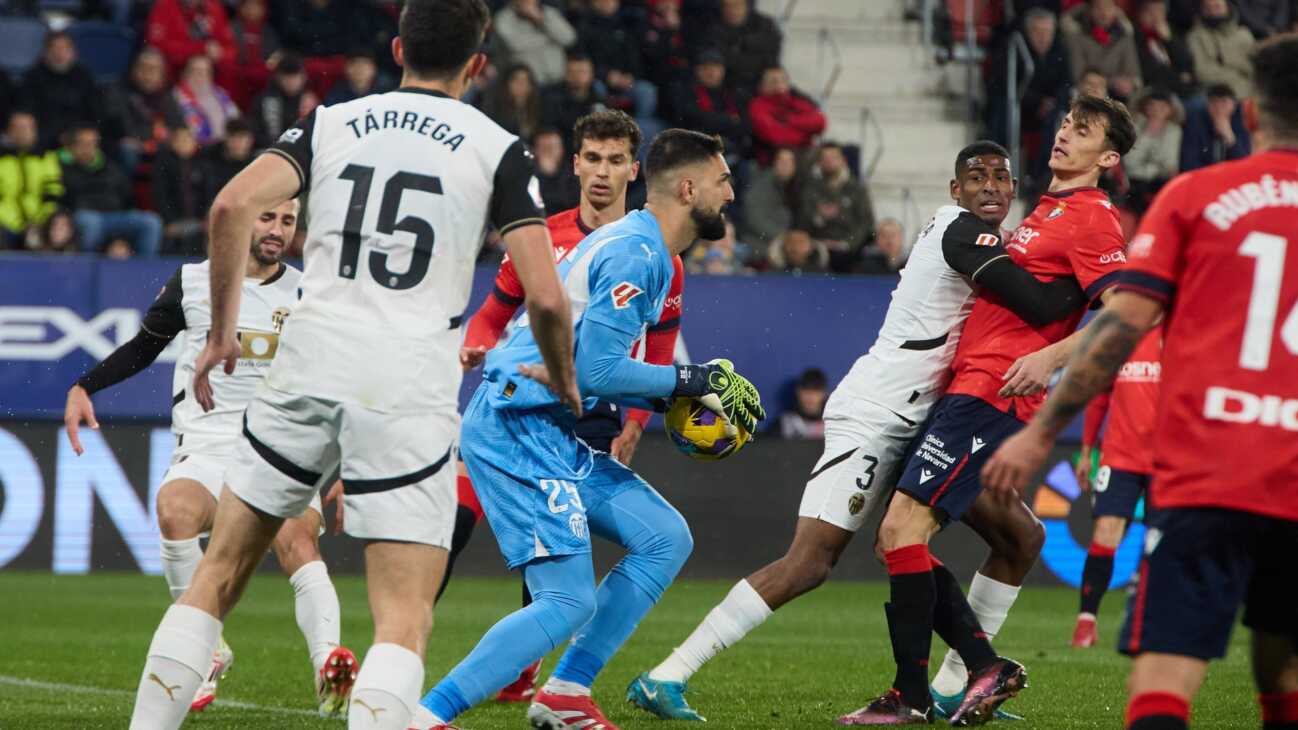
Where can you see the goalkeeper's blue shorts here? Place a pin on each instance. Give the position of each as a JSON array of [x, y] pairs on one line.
[[536, 480]]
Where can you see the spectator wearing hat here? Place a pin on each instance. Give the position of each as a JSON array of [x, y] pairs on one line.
[[1221, 46], [782, 116], [1098, 36], [708, 105], [807, 418], [574, 97], [99, 195], [1156, 156], [526, 31], [749, 41], [59, 90], [285, 100], [1214, 132]]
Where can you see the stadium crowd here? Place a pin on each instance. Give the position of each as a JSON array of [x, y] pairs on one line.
[[1181, 65], [127, 163]]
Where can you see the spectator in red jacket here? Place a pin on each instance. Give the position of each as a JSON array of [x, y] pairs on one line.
[[185, 28], [255, 43], [782, 116]]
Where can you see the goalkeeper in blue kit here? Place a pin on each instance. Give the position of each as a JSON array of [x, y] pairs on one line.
[[545, 492]]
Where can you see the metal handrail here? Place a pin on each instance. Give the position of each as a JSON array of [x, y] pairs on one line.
[[865, 123], [971, 53], [827, 40], [787, 13], [1014, 93], [911, 217]]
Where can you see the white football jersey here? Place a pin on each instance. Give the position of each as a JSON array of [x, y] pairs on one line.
[[402, 186], [908, 367], [184, 309]]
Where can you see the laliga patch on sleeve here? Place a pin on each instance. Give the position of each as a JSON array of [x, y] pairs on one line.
[[290, 135], [534, 190], [623, 294], [987, 239]]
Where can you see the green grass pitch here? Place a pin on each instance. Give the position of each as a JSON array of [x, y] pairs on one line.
[[71, 649]]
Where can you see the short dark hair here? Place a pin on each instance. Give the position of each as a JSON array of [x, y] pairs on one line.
[[439, 36], [813, 378], [575, 55], [1219, 91], [676, 148], [238, 125], [290, 64], [978, 149], [1275, 81], [607, 124], [1119, 127]]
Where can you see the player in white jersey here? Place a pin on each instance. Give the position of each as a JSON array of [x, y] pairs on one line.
[[402, 188], [205, 441], [878, 408]]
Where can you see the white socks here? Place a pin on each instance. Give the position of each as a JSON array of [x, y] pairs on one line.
[[316, 606], [991, 601], [564, 687], [179, 659], [387, 689], [741, 611], [179, 561]]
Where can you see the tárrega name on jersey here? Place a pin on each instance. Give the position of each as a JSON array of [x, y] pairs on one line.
[[401, 194]]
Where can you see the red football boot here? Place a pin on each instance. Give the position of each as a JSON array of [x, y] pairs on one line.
[[561, 712], [1084, 634], [523, 688]]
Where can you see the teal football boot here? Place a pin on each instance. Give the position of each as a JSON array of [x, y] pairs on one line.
[[664, 699]]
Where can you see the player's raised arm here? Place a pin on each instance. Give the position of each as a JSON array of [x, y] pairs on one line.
[[268, 181], [162, 322]]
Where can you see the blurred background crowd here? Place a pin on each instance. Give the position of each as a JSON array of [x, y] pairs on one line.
[[123, 119]]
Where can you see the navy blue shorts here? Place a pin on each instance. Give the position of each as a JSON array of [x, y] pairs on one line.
[[961, 435], [599, 426], [1200, 564], [1116, 492]]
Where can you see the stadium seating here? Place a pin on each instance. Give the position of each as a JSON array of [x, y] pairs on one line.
[[21, 40], [104, 47]]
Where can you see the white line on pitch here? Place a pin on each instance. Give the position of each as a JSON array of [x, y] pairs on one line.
[[79, 689]]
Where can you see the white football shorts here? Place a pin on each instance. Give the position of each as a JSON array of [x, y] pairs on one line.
[[206, 461], [398, 469], [865, 449]]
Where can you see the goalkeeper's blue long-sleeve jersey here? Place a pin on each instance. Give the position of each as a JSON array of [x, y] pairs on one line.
[[617, 280]]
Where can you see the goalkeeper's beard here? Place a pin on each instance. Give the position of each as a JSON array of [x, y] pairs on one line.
[[710, 226]]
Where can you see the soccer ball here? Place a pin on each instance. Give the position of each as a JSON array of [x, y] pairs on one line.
[[700, 433]]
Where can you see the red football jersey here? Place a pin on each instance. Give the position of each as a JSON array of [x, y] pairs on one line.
[[1070, 233], [1131, 406], [1214, 246], [566, 231]]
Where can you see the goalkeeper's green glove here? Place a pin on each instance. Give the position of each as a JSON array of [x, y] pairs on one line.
[[723, 391]]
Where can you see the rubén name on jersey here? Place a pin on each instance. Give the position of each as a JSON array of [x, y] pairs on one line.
[[420, 124], [1238, 202]]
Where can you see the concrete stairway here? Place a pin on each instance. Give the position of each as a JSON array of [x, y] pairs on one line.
[[890, 97]]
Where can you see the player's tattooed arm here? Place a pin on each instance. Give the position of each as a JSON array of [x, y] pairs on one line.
[[1105, 346]]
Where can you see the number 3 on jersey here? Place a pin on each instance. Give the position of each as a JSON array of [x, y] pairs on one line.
[[362, 177], [1264, 302]]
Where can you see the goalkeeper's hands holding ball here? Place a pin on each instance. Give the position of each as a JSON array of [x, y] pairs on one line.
[[717, 386]]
